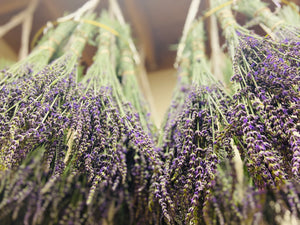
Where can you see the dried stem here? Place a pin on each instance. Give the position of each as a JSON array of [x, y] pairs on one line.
[[26, 29], [216, 52], [142, 76], [88, 6], [188, 22]]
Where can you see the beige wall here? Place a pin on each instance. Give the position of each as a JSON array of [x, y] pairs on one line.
[[6, 52], [162, 84]]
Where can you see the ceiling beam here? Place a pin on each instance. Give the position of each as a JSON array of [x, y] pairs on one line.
[[139, 21], [10, 6]]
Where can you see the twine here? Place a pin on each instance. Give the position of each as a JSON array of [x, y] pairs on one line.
[[128, 72], [103, 51], [198, 45], [75, 51], [183, 74], [52, 50], [82, 35], [199, 56], [92, 22], [276, 24], [127, 59], [214, 10], [54, 40], [229, 23], [81, 39], [107, 34], [101, 25], [226, 14], [261, 10], [184, 62], [104, 43]]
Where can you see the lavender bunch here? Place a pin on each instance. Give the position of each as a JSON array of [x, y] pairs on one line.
[[66, 159], [128, 72], [191, 146], [177, 104], [97, 161], [194, 47], [230, 204], [272, 95], [33, 108], [40, 56], [265, 115], [181, 89], [29, 195], [289, 13], [259, 10], [109, 144]]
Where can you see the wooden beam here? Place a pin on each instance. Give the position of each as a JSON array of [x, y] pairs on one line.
[[143, 30], [9, 6]]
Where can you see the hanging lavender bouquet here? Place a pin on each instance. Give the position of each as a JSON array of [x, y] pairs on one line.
[[40, 56], [88, 160], [111, 146], [289, 13], [36, 138], [33, 106], [128, 73], [276, 27], [190, 145], [236, 201], [265, 115]]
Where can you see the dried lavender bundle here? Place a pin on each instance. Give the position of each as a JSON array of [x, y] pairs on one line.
[[89, 131], [184, 75], [40, 56], [30, 195], [264, 119], [290, 14], [182, 86], [92, 142], [190, 144], [259, 10], [248, 205], [181, 90], [109, 144], [33, 107], [157, 204], [69, 154], [127, 71]]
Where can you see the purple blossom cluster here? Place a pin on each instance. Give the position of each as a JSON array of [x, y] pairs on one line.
[[41, 54], [234, 204], [33, 111], [191, 156], [265, 114], [94, 159], [31, 195], [114, 151], [87, 144], [80, 153]]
